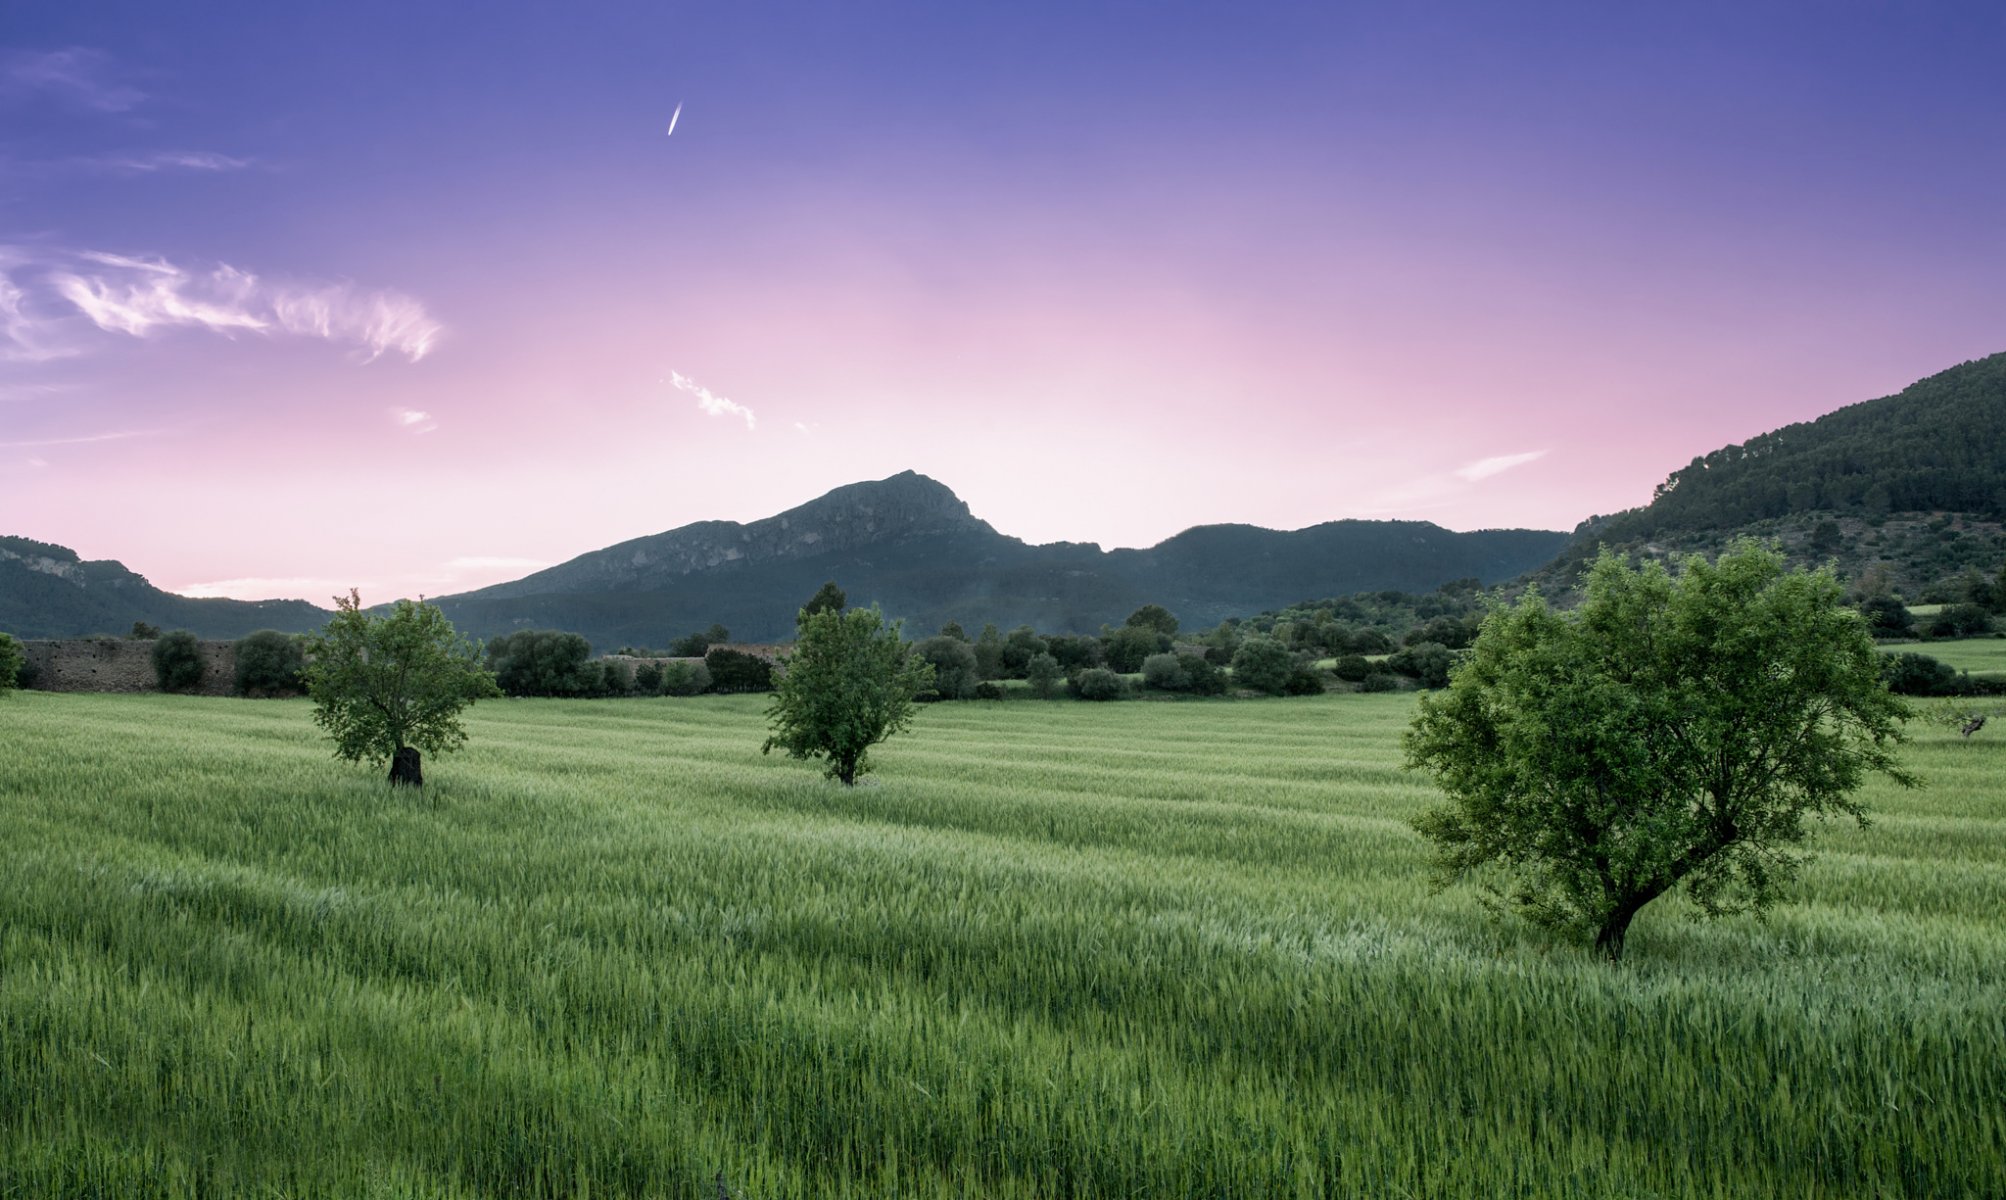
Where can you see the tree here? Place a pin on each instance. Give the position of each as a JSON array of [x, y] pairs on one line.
[[177, 662], [543, 662], [1887, 616], [1671, 732], [1127, 647], [1045, 676], [1264, 664], [142, 632], [1153, 616], [989, 653], [1164, 673], [1427, 663], [953, 662], [1018, 650], [828, 598], [270, 663], [648, 679], [737, 670], [954, 630], [685, 679], [386, 688], [848, 685], [12, 660]]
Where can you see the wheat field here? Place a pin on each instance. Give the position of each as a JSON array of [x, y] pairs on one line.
[[1051, 950]]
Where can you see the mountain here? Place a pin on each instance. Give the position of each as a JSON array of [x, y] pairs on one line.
[[912, 546], [48, 591], [1912, 484]]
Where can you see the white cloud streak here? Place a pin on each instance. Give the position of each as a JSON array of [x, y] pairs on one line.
[[1484, 468], [25, 336], [120, 436], [415, 420], [138, 296], [715, 405], [155, 161], [78, 75]]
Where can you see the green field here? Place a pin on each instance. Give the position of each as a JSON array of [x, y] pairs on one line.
[[1980, 656], [1136, 950]]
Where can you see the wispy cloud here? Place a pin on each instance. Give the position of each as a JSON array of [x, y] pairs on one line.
[[137, 296], [26, 336], [415, 420], [77, 75], [34, 461], [151, 162], [85, 440], [1484, 468], [715, 405]]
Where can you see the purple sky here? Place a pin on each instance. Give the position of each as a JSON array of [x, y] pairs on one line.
[[398, 296]]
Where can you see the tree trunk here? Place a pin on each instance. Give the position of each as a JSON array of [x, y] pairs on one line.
[[1616, 926], [404, 768], [846, 769]]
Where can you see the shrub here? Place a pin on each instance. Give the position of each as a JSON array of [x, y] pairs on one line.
[[1164, 673], [988, 691], [1202, 676], [142, 632], [1911, 674], [1263, 664], [1044, 675], [177, 662], [1098, 683], [954, 672], [685, 679], [648, 679], [1352, 667], [1303, 682], [1125, 648], [1428, 664], [1379, 681], [1073, 652], [737, 671], [543, 662], [1959, 620], [270, 663], [1887, 617], [616, 677], [1019, 649]]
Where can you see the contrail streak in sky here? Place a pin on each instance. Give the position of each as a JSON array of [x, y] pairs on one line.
[[672, 120]]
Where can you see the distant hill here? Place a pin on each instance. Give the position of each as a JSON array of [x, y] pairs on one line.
[[1913, 484], [909, 544], [48, 591]]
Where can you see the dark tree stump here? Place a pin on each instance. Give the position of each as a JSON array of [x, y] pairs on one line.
[[404, 768]]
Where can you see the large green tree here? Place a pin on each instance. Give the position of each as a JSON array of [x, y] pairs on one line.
[[386, 688], [1671, 732], [12, 659], [848, 685]]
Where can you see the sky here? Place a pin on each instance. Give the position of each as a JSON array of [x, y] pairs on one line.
[[419, 297]]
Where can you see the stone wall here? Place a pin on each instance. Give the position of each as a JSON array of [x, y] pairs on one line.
[[120, 665]]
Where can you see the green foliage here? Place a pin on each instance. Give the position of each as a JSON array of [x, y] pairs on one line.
[[1302, 682], [385, 685], [827, 598], [987, 691], [953, 662], [954, 630], [177, 662], [685, 679], [648, 679], [1887, 617], [697, 645], [848, 685], [1672, 732], [1959, 620], [543, 662], [12, 661], [616, 678], [1263, 664], [1125, 649], [1074, 652], [1352, 667], [738, 671], [1164, 673], [270, 663], [1097, 683], [989, 653], [1428, 664], [1044, 675], [1379, 681], [143, 632], [1154, 617], [1019, 648]]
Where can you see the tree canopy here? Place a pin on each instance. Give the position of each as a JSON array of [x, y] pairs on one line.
[[848, 685], [1672, 732], [12, 659], [385, 688]]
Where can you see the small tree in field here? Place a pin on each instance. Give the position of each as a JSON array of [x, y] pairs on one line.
[[386, 688], [11, 661], [848, 685], [1670, 732]]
